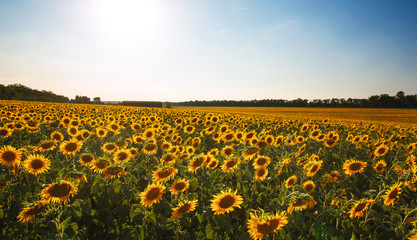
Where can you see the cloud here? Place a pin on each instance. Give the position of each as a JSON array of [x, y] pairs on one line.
[[224, 30], [287, 23]]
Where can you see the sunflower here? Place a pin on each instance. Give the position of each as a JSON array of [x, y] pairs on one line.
[[261, 173], [381, 150], [46, 146], [379, 166], [149, 134], [196, 163], [101, 132], [228, 151], [225, 202], [168, 158], [5, 132], [9, 156], [309, 186], [314, 134], [291, 181], [86, 159], [72, 131], [113, 171], [150, 149], [250, 153], [28, 214], [230, 165], [260, 226], [359, 207], [261, 161], [392, 194], [334, 177], [313, 167], [353, 166], [57, 136], [165, 174], [228, 137], [301, 204], [189, 129], [99, 165], [152, 194], [122, 155], [133, 152], [37, 164], [183, 208], [213, 163], [179, 186], [59, 192], [70, 147]]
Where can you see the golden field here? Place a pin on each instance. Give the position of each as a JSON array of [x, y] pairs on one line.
[[369, 115], [80, 171]]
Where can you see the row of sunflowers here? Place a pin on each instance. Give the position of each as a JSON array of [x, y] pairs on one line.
[[72, 171]]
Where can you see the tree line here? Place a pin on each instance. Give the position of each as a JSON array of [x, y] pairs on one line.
[[400, 100], [23, 93]]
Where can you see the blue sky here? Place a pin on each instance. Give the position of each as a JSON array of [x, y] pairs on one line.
[[206, 50]]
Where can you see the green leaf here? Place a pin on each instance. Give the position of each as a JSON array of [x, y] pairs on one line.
[[64, 224], [209, 231]]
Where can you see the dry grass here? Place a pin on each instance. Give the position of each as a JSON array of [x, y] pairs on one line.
[[403, 117]]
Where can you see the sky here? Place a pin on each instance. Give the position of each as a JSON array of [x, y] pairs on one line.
[[182, 50]]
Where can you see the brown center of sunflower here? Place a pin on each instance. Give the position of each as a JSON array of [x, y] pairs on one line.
[[37, 163], [101, 164], [150, 147], [198, 162], [73, 131], [309, 187], [179, 186], [393, 194], [360, 207], [184, 208], [189, 129], [228, 136], [261, 161], [382, 150], [153, 194], [47, 145], [231, 163], [379, 167], [291, 182], [268, 227], [87, 158], [164, 173], [34, 210], [9, 156], [228, 151], [149, 134], [114, 127], [59, 190], [213, 164], [101, 132], [227, 201], [355, 166], [57, 137], [71, 147], [3, 132], [314, 168], [261, 172], [122, 156]]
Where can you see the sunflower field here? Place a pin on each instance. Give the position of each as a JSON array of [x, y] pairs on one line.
[[71, 171]]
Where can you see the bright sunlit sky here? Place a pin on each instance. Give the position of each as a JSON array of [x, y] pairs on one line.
[[180, 50]]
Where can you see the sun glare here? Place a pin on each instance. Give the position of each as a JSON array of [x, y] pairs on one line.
[[129, 19]]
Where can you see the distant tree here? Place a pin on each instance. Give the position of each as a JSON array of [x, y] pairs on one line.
[[97, 100]]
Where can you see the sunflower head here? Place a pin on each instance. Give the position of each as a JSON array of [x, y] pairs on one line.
[[59, 192], [37, 164], [183, 208], [225, 202], [152, 194], [9, 156]]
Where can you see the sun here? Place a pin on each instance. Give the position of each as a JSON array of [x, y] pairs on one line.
[[129, 19]]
